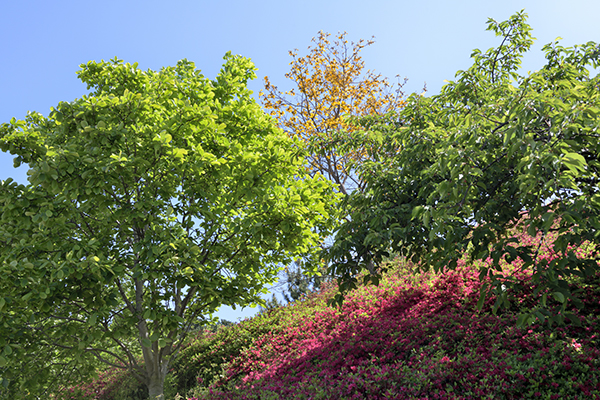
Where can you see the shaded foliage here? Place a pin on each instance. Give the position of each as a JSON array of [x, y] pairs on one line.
[[494, 151]]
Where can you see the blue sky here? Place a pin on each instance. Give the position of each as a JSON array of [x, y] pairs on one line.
[[426, 41]]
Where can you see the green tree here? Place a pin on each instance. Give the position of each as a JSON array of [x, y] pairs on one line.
[[494, 151], [299, 284], [152, 201]]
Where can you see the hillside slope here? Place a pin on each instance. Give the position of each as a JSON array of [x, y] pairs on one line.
[[415, 336]]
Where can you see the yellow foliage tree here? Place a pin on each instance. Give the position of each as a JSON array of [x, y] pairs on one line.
[[330, 87]]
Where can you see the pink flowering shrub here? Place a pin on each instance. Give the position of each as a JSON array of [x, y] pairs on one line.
[[419, 336]]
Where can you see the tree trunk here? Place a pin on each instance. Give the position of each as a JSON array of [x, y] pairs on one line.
[[155, 387], [156, 371]]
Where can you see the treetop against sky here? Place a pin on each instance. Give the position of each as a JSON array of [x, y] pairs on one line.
[[44, 43]]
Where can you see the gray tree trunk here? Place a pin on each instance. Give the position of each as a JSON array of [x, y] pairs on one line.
[[155, 388], [156, 371]]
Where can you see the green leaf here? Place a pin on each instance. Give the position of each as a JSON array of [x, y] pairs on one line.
[[544, 299], [575, 162], [593, 111], [146, 343], [417, 211], [443, 188], [575, 320], [521, 320], [559, 297]]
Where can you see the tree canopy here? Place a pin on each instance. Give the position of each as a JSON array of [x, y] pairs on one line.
[[152, 201], [329, 85], [495, 151]]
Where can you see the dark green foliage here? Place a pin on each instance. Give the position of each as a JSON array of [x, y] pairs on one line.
[[494, 151]]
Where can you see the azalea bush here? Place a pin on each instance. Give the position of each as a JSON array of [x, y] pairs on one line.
[[421, 336]]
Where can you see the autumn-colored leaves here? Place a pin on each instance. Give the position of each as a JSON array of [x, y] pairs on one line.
[[330, 87]]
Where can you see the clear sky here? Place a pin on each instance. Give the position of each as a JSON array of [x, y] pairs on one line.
[[426, 41]]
